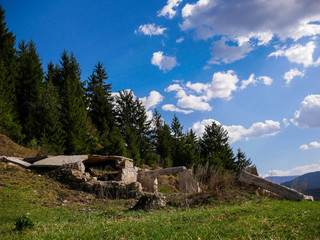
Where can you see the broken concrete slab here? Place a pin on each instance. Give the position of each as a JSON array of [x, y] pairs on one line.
[[119, 160], [283, 191], [165, 171], [35, 159], [16, 161], [187, 184], [58, 161]]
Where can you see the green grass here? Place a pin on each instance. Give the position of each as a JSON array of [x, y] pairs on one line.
[[60, 213]]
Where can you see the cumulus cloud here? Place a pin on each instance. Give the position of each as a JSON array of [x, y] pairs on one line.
[[309, 113], [193, 102], [222, 85], [172, 108], [152, 100], [240, 133], [310, 146], [173, 87], [198, 87], [196, 95], [224, 53], [168, 10], [266, 80], [150, 29], [253, 19], [300, 170], [165, 63], [288, 76], [298, 54]]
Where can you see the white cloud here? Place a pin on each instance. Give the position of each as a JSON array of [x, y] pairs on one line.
[[172, 108], [300, 170], [150, 29], [149, 115], [193, 102], [222, 85], [164, 63], [196, 95], [239, 133], [173, 87], [253, 19], [288, 76], [198, 87], [262, 37], [298, 54], [310, 146], [152, 100], [223, 53], [266, 80], [168, 10], [259, 129], [180, 40], [251, 80], [309, 113]]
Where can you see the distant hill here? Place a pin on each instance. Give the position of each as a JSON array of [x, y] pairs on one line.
[[281, 179], [308, 183]]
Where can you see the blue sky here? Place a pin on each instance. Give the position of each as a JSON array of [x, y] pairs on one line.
[[250, 65]]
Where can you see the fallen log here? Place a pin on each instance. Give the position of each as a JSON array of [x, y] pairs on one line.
[[283, 191]]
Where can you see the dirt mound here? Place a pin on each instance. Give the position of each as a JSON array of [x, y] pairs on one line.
[[11, 149]]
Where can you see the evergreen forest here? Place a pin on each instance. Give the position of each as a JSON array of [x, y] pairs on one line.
[[56, 111]]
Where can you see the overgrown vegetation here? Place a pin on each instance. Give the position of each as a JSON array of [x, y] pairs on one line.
[[60, 213], [55, 111]]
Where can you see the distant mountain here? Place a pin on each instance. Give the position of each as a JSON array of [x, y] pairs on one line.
[[308, 183], [281, 179]]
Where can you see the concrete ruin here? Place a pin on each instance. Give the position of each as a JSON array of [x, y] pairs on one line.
[[250, 176], [105, 176]]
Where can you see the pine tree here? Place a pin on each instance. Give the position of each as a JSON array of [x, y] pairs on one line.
[[9, 123], [178, 142], [100, 100], [52, 135], [161, 140], [73, 105], [215, 148], [191, 150], [100, 105], [241, 160], [132, 121], [29, 89]]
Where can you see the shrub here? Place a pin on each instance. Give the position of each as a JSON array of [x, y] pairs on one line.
[[213, 178], [23, 222]]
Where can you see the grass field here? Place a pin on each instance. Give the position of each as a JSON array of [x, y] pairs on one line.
[[60, 213]]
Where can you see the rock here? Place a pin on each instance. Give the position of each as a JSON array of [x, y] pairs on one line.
[[150, 202]]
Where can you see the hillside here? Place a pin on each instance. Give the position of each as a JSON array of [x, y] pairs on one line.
[[60, 213], [308, 183], [281, 179], [11, 149], [305, 182]]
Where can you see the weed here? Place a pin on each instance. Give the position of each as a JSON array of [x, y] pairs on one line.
[[23, 222]]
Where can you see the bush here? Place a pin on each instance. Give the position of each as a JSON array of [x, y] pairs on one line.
[[23, 222]]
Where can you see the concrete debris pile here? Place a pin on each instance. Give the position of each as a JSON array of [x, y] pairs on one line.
[[109, 177], [116, 177]]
